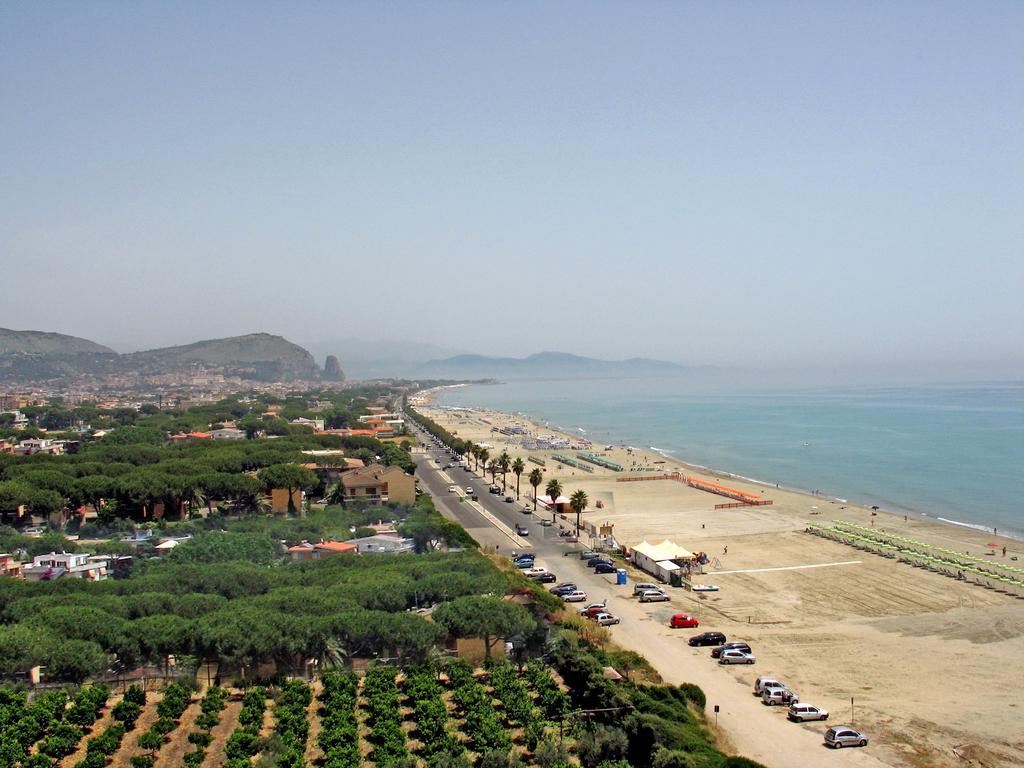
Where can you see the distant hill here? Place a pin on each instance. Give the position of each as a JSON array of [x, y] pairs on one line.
[[261, 355], [35, 356], [543, 365], [44, 343]]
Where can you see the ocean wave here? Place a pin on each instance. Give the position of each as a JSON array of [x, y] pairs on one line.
[[975, 526]]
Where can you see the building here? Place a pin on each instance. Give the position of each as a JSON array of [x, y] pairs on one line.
[[382, 544], [661, 560], [38, 445], [379, 483], [74, 565], [306, 551], [227, 433], [10, 567], [316, 424]]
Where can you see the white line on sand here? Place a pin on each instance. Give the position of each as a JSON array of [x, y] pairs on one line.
[[785, 568]]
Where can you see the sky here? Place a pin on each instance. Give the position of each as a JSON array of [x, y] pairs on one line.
[[786, 183]]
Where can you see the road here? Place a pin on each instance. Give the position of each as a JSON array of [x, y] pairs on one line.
[[756, 731]]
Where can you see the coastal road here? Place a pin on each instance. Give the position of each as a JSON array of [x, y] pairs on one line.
[[756, 731]]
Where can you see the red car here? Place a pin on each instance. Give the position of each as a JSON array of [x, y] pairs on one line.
[[592, 610], [683, 620]]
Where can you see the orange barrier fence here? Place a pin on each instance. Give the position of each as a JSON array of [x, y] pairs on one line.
[[758, 503]]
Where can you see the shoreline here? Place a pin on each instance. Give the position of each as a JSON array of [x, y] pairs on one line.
[[908, 512]]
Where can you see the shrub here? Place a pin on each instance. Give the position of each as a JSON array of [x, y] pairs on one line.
[[200, 738], [143, 761], [695, 694], [551, 753]]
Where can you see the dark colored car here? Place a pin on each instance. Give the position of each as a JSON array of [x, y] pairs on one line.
[[545, 578], [509, 500], [716, 652], [598, 561], [604, 568], [707, 638], [565, 588]]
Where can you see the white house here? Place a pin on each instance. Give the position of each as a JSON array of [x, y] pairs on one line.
[[76, 565], [382, 544]]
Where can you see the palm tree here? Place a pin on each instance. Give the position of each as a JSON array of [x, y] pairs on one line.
[[484, 456], [535, 479], [578, 503], [493, 468], [469, 449], [504, 461], [553, 490], [518, 467]]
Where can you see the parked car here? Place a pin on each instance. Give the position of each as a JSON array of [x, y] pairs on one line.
[[545, 578], [736, 646], [653, 596], [576, 596], [593, 609], [522, 530], [640, 586], [495, 489], [596, 561], [535, 571], [523, 564], [586, 554], [509, 500], [778, 694], [606, 619], [733, 656], [568, 537], [844, 736], [683, 621], [799, 712], [605, 568], [566, 586], [707, 638], [764, 682]]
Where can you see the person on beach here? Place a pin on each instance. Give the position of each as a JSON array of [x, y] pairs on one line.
[[726, 550]]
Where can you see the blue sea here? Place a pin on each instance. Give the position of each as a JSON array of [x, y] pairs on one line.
[[954, 452]]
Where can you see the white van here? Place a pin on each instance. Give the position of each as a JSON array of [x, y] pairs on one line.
[[765, 682], [644, 586]]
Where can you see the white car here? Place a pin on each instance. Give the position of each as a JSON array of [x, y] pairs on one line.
[[536, 571], [452, 489], [653, 596], [732, 656], [469, 489], [577, 596], [605, 619], [800, 712]]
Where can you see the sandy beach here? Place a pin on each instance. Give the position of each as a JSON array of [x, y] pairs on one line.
[[930, 662]]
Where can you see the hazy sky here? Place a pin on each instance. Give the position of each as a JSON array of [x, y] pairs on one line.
[[702, 182]]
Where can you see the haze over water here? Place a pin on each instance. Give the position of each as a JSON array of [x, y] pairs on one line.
[[954, 452]]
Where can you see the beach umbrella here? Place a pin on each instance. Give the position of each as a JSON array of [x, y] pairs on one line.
[[876, 507]]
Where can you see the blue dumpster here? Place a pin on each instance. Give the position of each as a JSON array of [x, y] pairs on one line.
[[620, 575]]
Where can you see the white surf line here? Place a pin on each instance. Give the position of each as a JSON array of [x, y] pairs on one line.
[[785, 568]]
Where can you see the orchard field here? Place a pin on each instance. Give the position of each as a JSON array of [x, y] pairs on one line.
[[432, 715]]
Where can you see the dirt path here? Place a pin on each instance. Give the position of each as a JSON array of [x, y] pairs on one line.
[[106, 718], [171, 754], [313, 751], [221, 733], [122, 757]]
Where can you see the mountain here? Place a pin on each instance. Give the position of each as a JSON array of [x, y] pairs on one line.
[[34, 356], [258, 356], [44, 343], [543, 365], [42, 356]]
